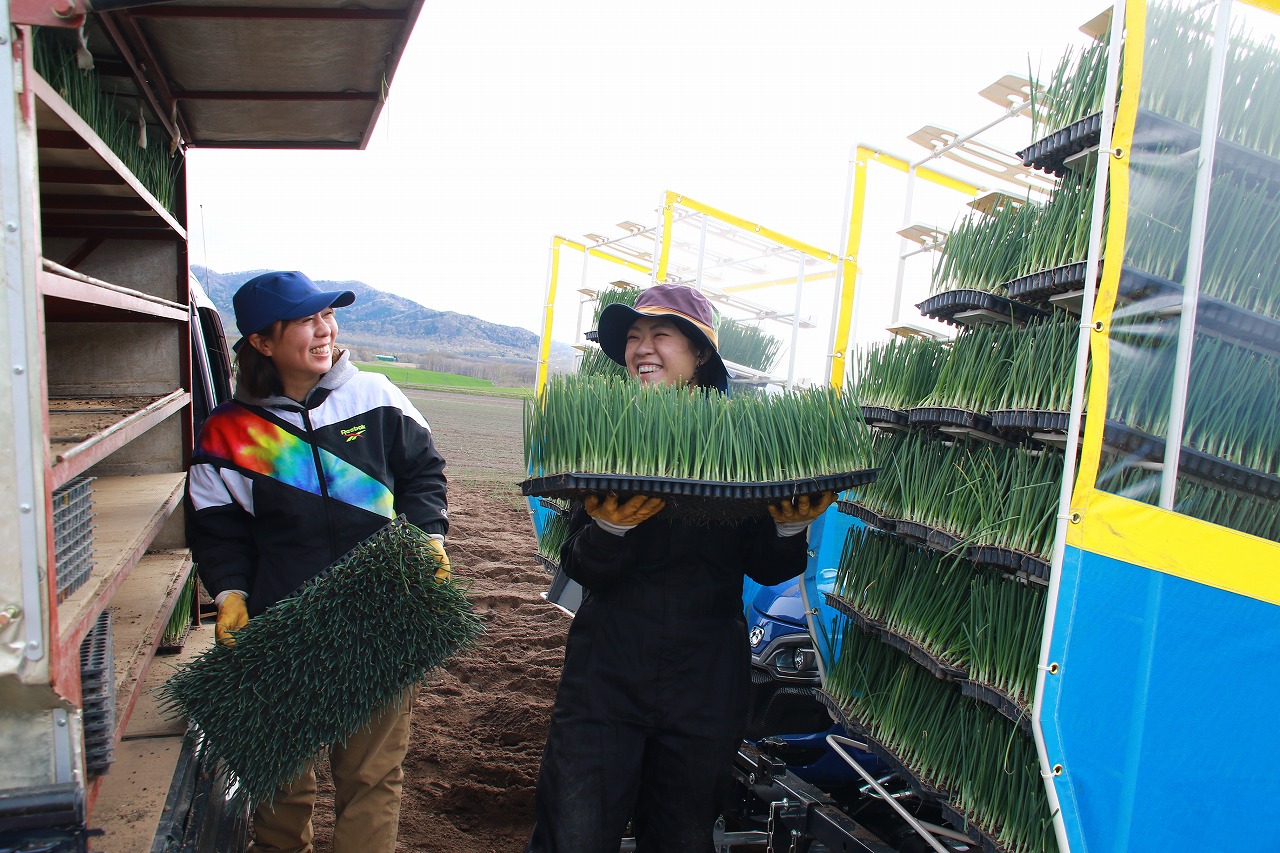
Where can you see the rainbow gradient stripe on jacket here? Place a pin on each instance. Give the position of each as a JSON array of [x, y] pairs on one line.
[[252, 443]]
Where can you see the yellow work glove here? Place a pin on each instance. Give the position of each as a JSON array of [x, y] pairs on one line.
[[802, 510], [232, 616], [639, 508], [443, 570]]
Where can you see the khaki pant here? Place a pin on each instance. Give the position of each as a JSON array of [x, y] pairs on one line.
[[367, 781]]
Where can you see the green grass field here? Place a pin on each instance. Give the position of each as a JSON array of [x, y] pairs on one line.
[[412, 377]]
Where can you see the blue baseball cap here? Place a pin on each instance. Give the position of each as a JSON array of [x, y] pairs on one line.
[[273, 296]]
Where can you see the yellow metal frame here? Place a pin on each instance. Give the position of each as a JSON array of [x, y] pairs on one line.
[[863, 155], [1118, 527], [673, 199], [553, 281]]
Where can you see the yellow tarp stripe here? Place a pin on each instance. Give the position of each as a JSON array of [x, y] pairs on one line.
[[1269, 5], [1113, 251], [1177, 545], [1121, 528]]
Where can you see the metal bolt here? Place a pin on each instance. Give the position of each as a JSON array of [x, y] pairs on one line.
[[19, 369], [812, 553], [24, 508], [11, 227], [62, 721], [33, 646]]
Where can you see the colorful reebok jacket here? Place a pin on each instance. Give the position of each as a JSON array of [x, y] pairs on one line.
[[279, 490]]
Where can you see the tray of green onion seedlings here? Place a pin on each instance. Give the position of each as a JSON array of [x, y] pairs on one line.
[[313, 668], [559, 507], [1247, 513], [1192, 463], [918, 596], [1030, 421], [745, 344], [976, 762], [863, 513], [553, 535], [1039, 287], [708, 455], [889, 378], [1066, 119], [1225, 319], [1017, 563]]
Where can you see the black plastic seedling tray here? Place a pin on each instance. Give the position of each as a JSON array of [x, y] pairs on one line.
[[704, 500], [949, 306], [1030, 421], [860, 732], [1213, 315], [1008, 707], [1050, 153], [868, 516], [550, 503], [1038, 287], [951, 419], [883, 416], [1017, 562], [1192, 463]]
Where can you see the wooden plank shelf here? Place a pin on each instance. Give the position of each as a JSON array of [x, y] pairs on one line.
[[74, 297], [140, 611], [92, 171], [131, 799], [78, 440], [128, 513]]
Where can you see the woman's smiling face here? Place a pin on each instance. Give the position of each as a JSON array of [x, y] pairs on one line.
[[302, 350], [659, 353]]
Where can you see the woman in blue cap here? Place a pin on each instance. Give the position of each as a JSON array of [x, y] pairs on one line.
[[311, 457], [652, 700]]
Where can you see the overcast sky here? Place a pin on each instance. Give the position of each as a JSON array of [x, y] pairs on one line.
[[510, 122]]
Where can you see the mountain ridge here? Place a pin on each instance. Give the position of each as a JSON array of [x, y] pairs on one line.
[[395, 322]]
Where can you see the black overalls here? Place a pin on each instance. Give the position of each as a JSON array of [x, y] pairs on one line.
[[652, 701]]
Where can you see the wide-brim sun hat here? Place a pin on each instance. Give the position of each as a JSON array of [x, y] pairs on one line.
[[274, 296], [691, 312]]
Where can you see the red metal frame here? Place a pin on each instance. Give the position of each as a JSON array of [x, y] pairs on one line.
[[47, 13]]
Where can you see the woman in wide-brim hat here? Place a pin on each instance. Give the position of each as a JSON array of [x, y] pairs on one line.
[[652, 702], [626, 335]]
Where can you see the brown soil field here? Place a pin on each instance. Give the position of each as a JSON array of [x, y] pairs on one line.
[[480, 723]]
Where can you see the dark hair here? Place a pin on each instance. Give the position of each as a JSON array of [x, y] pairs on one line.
[[256, 373], [702, 347]]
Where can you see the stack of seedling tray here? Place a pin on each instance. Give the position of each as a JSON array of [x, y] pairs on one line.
[[73, 535], [941, 588], [98, 695], [711, 457]]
